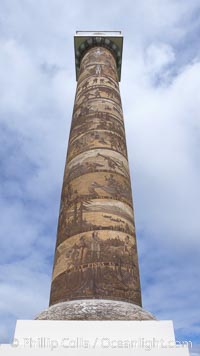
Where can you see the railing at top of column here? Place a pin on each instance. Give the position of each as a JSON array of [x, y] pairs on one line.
[[98, 42]]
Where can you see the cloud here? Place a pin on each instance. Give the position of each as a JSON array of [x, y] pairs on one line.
[[24, 291], [162, 125], [195, 351], [166, 153], [159, 58]]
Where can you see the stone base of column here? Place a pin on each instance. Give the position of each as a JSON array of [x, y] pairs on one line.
[[94, 338], [95, 309]]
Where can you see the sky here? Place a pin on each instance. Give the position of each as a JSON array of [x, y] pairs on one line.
[[160, 90]]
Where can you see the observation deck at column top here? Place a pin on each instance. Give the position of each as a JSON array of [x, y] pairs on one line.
[[84, 40]]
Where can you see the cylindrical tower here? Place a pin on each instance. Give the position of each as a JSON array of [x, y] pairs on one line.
[[96, 262]]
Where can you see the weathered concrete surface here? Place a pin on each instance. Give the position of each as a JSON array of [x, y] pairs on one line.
[[95, 309]]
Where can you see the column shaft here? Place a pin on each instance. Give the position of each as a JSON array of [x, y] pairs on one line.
[[96, 252]]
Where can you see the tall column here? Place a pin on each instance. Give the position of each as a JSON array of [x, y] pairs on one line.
[[96, 253]]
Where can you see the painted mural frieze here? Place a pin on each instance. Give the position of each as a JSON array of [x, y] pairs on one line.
[[96, 252], [87, 187], [95, 124], [95, 214], [97, 160], [97, 139]]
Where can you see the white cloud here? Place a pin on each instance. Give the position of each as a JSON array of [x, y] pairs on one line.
[[158, 58], [195, 351], [18, 76], [160, 130], [24, 291]]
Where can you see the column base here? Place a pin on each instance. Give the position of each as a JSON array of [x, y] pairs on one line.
[[94, 338], [95, 309]]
